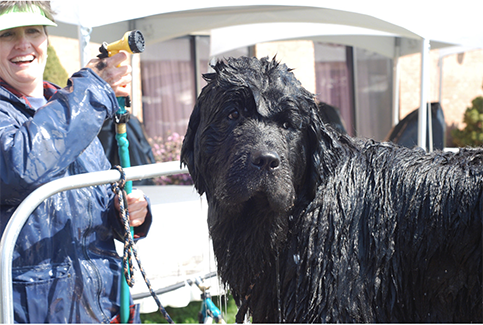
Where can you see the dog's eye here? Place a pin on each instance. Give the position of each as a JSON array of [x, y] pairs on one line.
[[234, 115], [286, 125]]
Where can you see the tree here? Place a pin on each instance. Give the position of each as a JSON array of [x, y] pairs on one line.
[[472, 134], [54, 71]]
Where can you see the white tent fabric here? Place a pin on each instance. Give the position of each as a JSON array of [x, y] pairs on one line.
[[456, 24], [229, 38]]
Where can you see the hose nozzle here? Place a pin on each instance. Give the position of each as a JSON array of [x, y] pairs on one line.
[[132, 42]]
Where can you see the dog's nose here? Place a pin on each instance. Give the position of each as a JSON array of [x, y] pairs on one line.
[[265, 160]]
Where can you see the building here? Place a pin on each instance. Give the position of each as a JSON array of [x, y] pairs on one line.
[[358, 82]]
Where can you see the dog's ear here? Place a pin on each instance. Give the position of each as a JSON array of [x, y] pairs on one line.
[[323, 147], [188, 149], [190, 154], [314, 135]]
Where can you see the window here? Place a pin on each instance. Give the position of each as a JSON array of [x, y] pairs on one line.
[[373, 96], [359, 83], [333, 77], [170, 83], [356, 81]]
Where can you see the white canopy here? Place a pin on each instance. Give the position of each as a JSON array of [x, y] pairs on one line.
[[229, 38], [458, 23], [424, 21]]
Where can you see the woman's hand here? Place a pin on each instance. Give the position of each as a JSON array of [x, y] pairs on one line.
[[114, 70], [137, 207]]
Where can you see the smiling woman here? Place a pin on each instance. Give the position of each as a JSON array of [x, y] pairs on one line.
[[23, 54], [47, 133], [23, 45]]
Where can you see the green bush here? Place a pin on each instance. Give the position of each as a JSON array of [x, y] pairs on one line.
[[54, 71], [472, 134]]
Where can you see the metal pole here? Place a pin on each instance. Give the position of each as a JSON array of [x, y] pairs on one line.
[[395, 81], [355, 81], [430, 128], [423, 107], [84, 34], [25, 209], [440, 92]]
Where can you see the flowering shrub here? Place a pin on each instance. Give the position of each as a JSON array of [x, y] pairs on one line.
[[169, 150]]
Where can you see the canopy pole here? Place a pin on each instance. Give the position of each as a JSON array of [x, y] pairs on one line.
[[84, 34], [440, 92], [395, 81], [423, 107]]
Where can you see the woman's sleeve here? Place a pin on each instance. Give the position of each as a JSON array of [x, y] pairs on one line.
[[118, 227], [41, 149]]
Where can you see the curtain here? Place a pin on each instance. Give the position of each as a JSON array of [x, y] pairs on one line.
[[359, 83], [168, 85], [333, 80], [373, 94]]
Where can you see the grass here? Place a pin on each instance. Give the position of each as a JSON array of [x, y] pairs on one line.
[[189, 314]]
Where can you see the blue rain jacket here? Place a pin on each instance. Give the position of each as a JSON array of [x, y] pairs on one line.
[[65, 266]]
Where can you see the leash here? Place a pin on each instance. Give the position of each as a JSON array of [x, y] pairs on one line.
[[129, 247]]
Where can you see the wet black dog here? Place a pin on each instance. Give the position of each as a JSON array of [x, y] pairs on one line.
[[310, 225]]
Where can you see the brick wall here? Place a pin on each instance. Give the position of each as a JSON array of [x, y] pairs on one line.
[[462, 78], [298, 55], [462, 82]]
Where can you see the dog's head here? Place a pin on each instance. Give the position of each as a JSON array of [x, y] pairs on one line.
[[254, 134]]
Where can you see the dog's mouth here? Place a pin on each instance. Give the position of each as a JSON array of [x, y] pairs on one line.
[[270, 189], [277, 202]]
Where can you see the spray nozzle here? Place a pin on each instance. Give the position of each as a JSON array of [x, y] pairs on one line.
[[132, 42]]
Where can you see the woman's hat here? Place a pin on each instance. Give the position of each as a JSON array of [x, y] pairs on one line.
[[28, 16]]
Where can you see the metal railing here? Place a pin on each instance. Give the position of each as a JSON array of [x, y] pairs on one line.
[[25, 209]]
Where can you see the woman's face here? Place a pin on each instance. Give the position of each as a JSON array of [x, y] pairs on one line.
[[23, 54]]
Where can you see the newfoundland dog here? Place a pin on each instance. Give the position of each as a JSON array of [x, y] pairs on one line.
[[311, 225]]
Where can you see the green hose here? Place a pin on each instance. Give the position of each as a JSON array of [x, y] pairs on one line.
[[123, 147]]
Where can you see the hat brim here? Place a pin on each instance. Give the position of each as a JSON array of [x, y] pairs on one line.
[[20, 19]]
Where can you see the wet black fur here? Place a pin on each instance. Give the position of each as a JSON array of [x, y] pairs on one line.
[[342, 229]]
